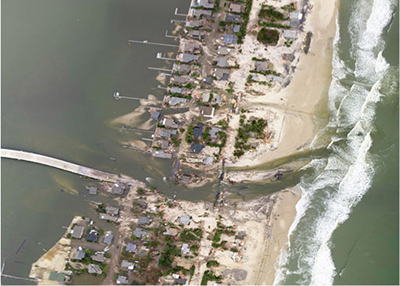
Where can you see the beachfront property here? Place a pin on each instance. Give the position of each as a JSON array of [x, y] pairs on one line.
[[77, 231]]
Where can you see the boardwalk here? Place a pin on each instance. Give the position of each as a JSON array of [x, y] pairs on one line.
[[66, 166]]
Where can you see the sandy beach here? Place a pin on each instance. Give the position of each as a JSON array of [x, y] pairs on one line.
[[296, 104]]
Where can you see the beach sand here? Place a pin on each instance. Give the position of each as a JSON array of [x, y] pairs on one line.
[[298, 102]]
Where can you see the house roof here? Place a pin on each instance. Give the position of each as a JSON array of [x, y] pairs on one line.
[[118, 189], [122, 279], [171, 231], [207, 111], [155, 115], [190, 46], [222, 74], [187, 58], [108, 217], [167, 133], [221, 61], [236, 8], [80, 254], [128, 265], [185, 249], [77, 231], [208, 80], [92, 190], [180, 281], [289, 34], [92, 236], [205, 97], [196, 34], [203, 3], [275, 78], [295, 15], [108, 238], [230, 39], [236, 28], [131, 247], [184, 219], [169, 123], [223, 50], [197, 148], [57, 276], [98, 257], [200, 12], [139, 232], [194, 24], [182, 69], [112, 210], [214, 132], [176, 100], [261, 66], [144, 220], [180, 79], [198, 130], [94, 268], [232, 18], [208, 160]]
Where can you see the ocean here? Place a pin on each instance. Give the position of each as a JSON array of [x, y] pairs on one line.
[[61, 63], [347, 223]]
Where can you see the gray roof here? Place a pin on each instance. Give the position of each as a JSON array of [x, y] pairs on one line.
[[185, 249], [294, 23], [80, 254], [203, 3], [144, 220], [122, 279], [92, 190], [236, 8], [217, 99], [194, 24], [222, 74], [108, 238], [93, 268], [207, 111], [98, 257], [187, 58], [295, 15], [108, 217], [198, 130], [184, 219], [180, 79], [139, 232], [176, 100], [232, 18], [230, 38], [261, 66], [205, 97], [77, 231], [221, 61], [169, 123], [208, 160], [275, 78], [131, 247], [112, 210], [199, 12], [236, 28], [223, 50], [196, 34], [92, 236], [127, 265], [177, 89], [180, 281], [196, 148], [164, 144], [155, 114], [208, 80], [118, 189], [182, 69], [214, 132], [190, 46], [161, 154], [167, 133], [288, 34]]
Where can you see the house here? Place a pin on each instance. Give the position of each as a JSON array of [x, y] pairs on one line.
[[169, 123], [144, 220], [194, 24], [77, 231], [80, 254], [230, 39], [164, 144], [108, 217], [180, 281], [236, 28], [161, 154], [139, 232], [176, 100], [236, 8], [275, 78], [185, 179], [295, 18], [223, 51], [142, 203], [208, 160], [167, 133], [130, 247], [180, 79], [207, 111], [184, 219], [190, 46], [112, 210], [171, 232], [198, 130], [241, 235], [57, 276], [222, 74], [288, 57], [261, 66], [199, 12], [118, 189], [205, 97], [214, 132], [230, 18], [208, 80], [196, 148], [182, 69], [155, 115], [196, 34], [93, 236], [122, 279], [185, 249], [92, 190], [178, 90], [203, 3], [108, 238], [94, 269], [187, 58], [98, 257], [221, 61], [288, 34], [217, 99], [127, 265]]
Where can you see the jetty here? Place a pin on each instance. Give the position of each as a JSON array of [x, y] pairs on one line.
[[66, 166]]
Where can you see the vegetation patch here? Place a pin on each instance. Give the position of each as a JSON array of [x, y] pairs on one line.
[[268, 36]]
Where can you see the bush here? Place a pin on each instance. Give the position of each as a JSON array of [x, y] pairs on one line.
[[212, 263], [268, 36]]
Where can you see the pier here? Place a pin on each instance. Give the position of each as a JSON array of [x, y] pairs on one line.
[[66, 166], [152, 43]]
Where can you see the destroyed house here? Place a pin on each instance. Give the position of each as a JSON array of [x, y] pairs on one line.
[[230, 39]]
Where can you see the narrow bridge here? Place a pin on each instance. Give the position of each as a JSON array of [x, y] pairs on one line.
[[67, 166]]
